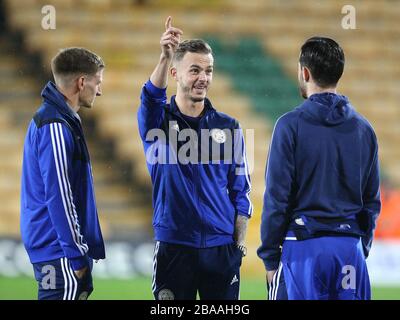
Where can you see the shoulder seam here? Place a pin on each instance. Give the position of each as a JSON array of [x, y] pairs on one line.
[[41, 123]]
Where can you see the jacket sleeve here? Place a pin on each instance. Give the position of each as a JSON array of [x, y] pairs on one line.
[[279, 179], [151, 111], [239, 183], [55, 153], [372, 203]]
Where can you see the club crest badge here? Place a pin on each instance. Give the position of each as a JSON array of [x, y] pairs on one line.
[[166, 294], [175, 127], [218, 135], [84, 295]]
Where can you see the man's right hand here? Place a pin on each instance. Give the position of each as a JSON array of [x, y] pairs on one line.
[[170, 39], [81, 272], [169, 42], [270, 276]]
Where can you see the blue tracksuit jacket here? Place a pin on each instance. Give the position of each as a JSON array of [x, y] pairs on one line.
[[195, 204], [323, 168], [58, 207]]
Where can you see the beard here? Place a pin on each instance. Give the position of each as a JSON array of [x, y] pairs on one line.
[[302, 88], [196, 99], [86, 103], [86, 99], [303, 92], [188, 93]]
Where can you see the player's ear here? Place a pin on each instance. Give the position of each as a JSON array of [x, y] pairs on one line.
[[306, 74], [173, 72], [80, 83]]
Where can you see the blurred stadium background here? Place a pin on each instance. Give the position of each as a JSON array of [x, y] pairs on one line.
[[256, 45]]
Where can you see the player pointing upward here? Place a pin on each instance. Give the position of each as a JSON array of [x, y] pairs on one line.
[[200, 209]]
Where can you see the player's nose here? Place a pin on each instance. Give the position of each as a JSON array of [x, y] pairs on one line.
[[202, 76]]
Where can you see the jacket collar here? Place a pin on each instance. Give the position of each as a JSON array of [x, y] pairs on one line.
[[51, 94], [175, 110]]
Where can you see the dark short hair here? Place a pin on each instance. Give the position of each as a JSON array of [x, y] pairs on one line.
[[325, 60], [71, 61], [193, 45]]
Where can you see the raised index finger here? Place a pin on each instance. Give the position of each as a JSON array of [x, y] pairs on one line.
[[174, 31], [168, 23]]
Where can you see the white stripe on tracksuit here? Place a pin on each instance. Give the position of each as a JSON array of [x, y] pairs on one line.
[[70, 283], [60, 159], [274, 287], [247, 175], [153, 284]]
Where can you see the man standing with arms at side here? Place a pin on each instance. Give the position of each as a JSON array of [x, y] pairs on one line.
[[59, 222], [200, 209], [322, 194]]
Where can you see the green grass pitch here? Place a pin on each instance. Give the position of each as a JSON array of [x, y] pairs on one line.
[[23, 288]]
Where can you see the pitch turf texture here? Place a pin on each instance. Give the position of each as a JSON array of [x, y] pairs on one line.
[[23, 288]]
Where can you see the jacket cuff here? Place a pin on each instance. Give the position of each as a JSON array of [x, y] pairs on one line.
[[244, 214], [78, 262], [155, 91], [271, 264]]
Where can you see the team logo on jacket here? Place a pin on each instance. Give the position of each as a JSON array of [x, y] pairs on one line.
[[83, 296], [166, 294], [218, 135], [175, 127]]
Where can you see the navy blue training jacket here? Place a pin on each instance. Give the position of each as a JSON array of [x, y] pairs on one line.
[[323, 168], [58, 207], [195, 203]]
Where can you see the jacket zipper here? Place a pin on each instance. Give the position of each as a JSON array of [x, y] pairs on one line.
[[196, 187]]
